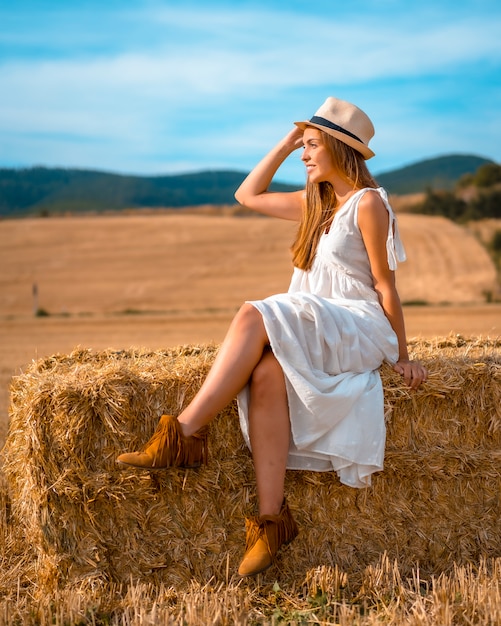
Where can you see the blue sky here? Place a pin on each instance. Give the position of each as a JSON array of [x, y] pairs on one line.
[[157, 87]]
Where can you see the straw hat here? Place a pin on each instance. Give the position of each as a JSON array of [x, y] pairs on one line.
[[344, 121]]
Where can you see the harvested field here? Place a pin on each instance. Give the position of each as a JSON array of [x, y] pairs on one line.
[[446, 262], [199, 263], [485, 229]]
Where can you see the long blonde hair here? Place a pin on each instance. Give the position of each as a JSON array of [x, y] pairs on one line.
[[321, 203]]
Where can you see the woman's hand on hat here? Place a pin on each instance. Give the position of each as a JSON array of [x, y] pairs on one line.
[[412, 372], [294, 139]]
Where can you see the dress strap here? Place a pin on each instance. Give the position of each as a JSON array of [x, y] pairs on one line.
[[394, 246]]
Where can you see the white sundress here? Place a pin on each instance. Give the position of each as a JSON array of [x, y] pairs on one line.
[[330, 336]]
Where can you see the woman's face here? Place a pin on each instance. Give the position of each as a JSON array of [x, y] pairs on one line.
[[316, 157]]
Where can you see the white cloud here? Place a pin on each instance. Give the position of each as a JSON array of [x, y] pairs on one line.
[[268, 49], [200, 70]]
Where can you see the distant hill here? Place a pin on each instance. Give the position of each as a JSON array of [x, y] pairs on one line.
[[441, 173], [41, 190]]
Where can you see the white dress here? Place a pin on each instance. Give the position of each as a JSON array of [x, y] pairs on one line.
[[330, 336]]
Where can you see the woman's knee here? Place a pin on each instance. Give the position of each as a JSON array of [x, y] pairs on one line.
[[249, 318], [248, 312]]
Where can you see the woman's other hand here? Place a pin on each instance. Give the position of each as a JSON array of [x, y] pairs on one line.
[[412, 372]]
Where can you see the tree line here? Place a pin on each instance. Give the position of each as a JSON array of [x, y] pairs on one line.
[[476, 196]]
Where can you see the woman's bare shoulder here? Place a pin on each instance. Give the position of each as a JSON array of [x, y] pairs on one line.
[[372, 209], [371, 201]]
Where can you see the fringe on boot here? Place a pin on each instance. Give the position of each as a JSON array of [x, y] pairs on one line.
[[264, 537], [168, 447]]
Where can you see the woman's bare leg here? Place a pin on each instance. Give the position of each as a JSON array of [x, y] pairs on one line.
[[269, 431], [238, 355]]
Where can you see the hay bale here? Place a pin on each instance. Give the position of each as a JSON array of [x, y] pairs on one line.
[[437, 502]]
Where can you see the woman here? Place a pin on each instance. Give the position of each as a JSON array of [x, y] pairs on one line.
[[304, 365]]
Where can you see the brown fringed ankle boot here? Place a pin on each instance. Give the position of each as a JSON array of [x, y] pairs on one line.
[[168, 447], [264, 536]]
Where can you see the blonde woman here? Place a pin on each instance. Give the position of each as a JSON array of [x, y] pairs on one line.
[[304, 364]]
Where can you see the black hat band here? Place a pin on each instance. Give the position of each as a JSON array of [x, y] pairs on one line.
[[321, 121]]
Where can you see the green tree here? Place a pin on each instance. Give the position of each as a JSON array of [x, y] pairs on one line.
[[496, 241], [488, 175], [487, 205], [444, 203]]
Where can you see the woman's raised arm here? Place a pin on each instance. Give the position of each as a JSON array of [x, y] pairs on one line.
[[253, 192]]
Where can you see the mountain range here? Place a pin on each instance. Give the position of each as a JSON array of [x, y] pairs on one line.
[[43, 191]]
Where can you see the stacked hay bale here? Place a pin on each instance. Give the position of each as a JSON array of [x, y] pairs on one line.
[[437, 502]]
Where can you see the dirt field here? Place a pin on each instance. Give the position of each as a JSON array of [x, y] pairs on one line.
[[156, 281]]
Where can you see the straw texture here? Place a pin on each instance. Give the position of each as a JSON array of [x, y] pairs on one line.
[[437, 503]]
